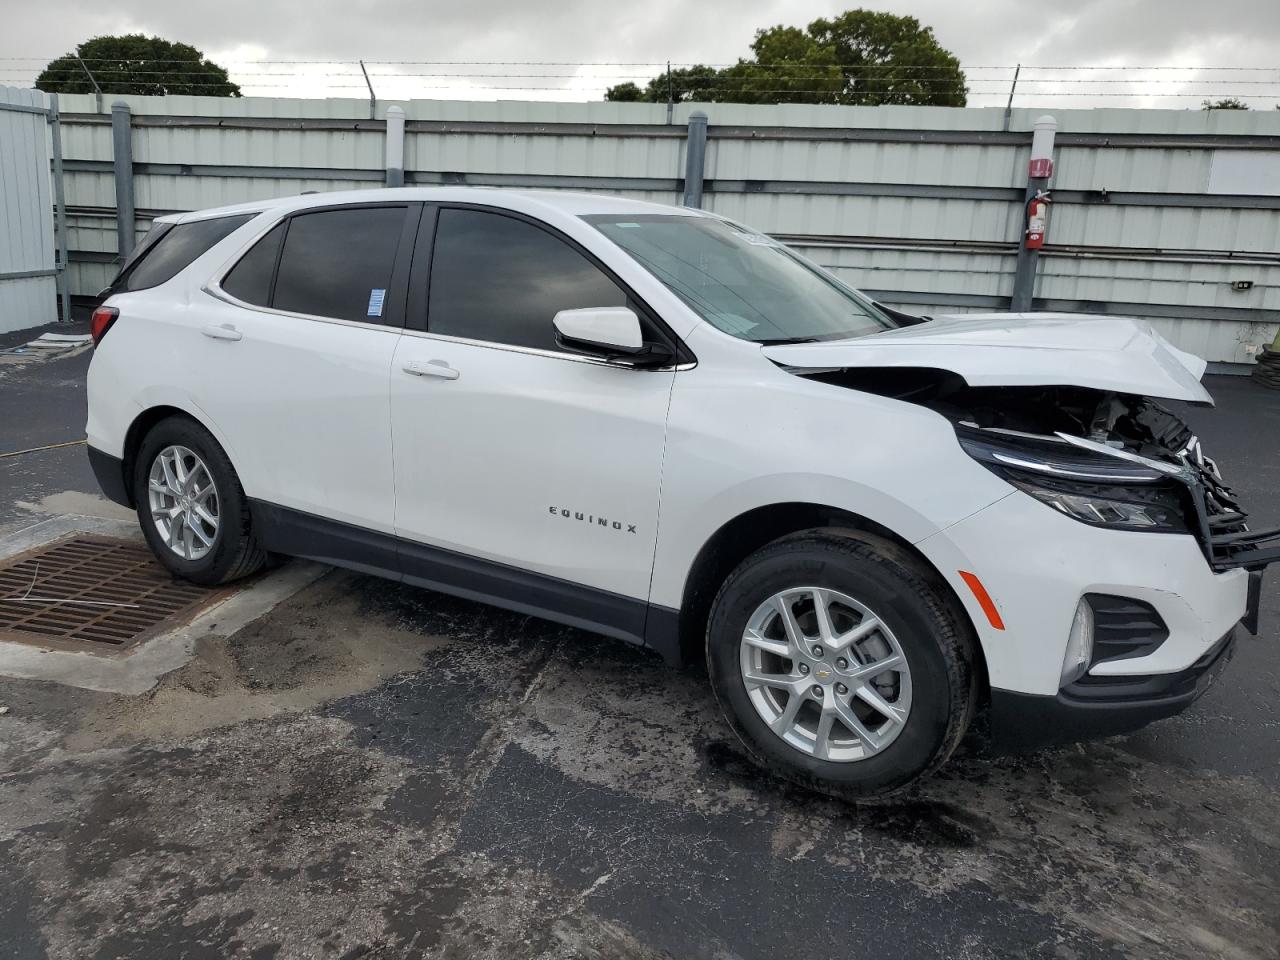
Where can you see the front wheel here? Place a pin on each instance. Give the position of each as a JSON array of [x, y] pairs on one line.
[[192, 509], [842, 663]]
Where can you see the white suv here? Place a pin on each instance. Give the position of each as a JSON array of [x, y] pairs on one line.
[[662, 426]]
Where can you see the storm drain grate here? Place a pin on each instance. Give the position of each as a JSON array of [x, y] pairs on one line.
[[92, 590]]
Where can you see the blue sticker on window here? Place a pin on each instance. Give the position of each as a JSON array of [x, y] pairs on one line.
[[376, 297]]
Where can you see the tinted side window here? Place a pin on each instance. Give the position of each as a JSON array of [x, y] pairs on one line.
[[250, 279], [338, 263], [501, 279], [176, 249]]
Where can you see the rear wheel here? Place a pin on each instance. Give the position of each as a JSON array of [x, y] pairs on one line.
[[192, 509], [841, 663]]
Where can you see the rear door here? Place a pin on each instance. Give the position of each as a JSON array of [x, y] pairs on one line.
[[509, 448], [293, 353]]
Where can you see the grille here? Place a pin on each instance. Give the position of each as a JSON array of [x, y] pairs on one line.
[[93, 592], [1124, 627]]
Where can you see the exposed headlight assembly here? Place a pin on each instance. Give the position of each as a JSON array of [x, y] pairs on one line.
[[1085, 483]]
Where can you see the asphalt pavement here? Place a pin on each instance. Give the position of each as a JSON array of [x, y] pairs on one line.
[[371, 770]]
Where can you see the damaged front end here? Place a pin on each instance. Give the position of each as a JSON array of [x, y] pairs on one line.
[[1108, 459]]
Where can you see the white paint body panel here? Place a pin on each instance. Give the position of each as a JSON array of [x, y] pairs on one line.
[[520, 458], [322, 417], [1036, 564], [312, 424], [1023, 349]]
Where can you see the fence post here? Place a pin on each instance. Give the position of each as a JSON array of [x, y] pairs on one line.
[[60, 211], [122, 157], [1039, 171], [695, 159], [395, 147]]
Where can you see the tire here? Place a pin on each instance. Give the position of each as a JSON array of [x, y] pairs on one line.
[[233, 551], [859, 575]]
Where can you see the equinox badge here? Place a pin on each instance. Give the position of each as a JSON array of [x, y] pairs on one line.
[[592, 519]]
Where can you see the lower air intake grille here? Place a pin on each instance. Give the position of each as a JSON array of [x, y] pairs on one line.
[[1124, 628]]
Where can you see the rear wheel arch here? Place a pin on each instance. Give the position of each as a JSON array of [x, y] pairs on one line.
[[748, 532], [142, 424], [191, 505]]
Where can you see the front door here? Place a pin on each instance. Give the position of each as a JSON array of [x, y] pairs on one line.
[[509, 449]]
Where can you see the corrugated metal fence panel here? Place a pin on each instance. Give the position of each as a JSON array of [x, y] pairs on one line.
[[26, 214], [921, 205]]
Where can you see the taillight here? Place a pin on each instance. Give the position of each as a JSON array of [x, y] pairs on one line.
[[101, 322]]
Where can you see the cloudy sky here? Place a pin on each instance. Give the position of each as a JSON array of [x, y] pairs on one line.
[[572, 49]]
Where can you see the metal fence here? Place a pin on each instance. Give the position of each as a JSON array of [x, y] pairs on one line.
[[1170, 215], [30, 264]]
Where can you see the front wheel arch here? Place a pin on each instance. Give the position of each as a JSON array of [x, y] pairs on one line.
[[908, 607], [748, 532]]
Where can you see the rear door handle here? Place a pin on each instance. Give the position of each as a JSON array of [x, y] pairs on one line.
[[431, 368], [224, 332]]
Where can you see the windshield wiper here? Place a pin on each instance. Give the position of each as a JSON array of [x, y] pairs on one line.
[[782, 341]]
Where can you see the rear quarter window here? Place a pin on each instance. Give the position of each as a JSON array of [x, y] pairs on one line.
[[250, 280], [175, 250], [338, 263]]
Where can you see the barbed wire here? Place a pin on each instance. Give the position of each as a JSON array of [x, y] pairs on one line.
[[1001, 83], [663, 64], [467, 77]]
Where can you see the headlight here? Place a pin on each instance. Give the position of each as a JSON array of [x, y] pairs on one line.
[[1090, 487], [1155, 509]]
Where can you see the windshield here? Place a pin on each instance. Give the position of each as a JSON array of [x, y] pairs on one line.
[[744, 283]]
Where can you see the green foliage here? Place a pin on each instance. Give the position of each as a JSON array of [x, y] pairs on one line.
[[1229, 103], [137, 64], [860, 57]]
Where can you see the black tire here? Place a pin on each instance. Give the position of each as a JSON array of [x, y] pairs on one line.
[[935, 637], [235, 552]]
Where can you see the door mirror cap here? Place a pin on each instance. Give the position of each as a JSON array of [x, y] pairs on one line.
[[604, 331]]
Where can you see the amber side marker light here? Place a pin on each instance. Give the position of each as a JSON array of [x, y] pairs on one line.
[[984, 599]]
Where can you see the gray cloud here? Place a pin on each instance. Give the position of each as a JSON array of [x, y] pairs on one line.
[[983, 33]]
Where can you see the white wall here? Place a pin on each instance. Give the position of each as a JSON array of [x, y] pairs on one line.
[[1156, 212], [26, 214]]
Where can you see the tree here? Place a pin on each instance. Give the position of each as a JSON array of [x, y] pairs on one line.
[[136, 64], [860, 57], [1229, 103]]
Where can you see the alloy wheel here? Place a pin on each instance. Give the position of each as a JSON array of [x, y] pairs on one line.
[[184, 502], [826, 674]]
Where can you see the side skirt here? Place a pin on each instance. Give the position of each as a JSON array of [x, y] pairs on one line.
[[299, 534]]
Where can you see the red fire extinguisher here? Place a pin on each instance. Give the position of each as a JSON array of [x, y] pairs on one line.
[[1037, 220]]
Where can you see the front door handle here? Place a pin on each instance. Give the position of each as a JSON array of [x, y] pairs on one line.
[[431, 368], [224, 332]]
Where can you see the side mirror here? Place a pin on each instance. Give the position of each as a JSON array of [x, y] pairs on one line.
[[610, 333], [605, 331]]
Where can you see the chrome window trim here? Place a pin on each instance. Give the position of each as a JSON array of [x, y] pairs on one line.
[[538, 352], [215, 290], [213, 286]]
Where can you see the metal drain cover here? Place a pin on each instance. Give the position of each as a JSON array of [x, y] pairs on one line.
[[95, 593]]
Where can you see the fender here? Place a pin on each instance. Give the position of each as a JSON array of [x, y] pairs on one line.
[[161, 396], [679, 543]]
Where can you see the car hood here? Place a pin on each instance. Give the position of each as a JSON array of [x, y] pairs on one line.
[[1119, 354]]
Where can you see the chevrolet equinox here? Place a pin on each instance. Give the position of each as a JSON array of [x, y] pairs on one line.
[[660, 425]]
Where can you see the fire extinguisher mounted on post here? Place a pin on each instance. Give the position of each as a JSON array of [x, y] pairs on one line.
[[1035, 213], [1037, 219]]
